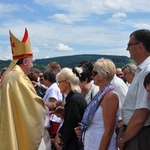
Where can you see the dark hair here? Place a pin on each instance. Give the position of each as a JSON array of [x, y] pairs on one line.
[[88, 63], [146, 80], [142, 36], [50, 76], [83, 73], [33, 77], [35, 70]]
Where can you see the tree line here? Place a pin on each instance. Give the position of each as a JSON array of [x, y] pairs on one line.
[[71, 61]]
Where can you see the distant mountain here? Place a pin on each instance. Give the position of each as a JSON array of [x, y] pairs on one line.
[[71, 61], [4, 63]]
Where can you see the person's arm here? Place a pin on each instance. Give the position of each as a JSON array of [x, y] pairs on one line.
[[58, 142], [109, 106], [135, 124]]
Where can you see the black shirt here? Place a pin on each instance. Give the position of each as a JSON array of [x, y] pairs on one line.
[[74, 110]]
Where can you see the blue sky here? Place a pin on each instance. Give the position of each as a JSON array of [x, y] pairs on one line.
[[70, 27]]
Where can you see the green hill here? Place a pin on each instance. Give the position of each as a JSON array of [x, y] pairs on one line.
[[71, 61]]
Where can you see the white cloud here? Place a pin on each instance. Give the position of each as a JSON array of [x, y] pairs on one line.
[[80, 10], [8, 8], [46, 57], [35, 50], [5, 53], [118, 15], [84, 24], [142, 25], [62, 47], [62, 18], [28, 8]]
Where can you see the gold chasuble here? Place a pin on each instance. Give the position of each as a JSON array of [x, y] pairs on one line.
[[22, 113]]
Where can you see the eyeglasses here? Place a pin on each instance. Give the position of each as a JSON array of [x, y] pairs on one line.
[[119, 74], [94, 73], [129, 44], [41, 80], [58, 82]]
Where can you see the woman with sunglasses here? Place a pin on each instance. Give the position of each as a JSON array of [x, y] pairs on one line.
[[97, 127]]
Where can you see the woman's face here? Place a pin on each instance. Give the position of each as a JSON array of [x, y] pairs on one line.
[[46, 82], [95, 76], [82, 84], [62, 85]]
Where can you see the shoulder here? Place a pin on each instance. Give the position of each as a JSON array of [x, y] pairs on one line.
[[116, 82], [16, 76], [119, 85], [111, 94], [94, 87], [53, 88], [77, 96], [111, 97]]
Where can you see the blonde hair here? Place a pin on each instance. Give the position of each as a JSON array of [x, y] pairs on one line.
[[67, 74], [105, 68]]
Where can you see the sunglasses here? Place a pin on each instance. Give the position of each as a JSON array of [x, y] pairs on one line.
[[119, 74], [129, 44], [94, 73]]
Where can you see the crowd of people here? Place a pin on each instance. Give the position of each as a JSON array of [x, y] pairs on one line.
[[92, 106]]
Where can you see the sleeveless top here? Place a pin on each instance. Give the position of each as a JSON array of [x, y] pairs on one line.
[[94, 132]]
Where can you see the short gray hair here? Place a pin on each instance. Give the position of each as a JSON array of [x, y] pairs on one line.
[[130, 68]]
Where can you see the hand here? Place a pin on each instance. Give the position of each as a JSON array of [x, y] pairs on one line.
[[58, 142], [34, 83], [120, 142], [77, 130]]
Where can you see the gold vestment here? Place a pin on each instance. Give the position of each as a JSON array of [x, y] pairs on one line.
[[22, 113]]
